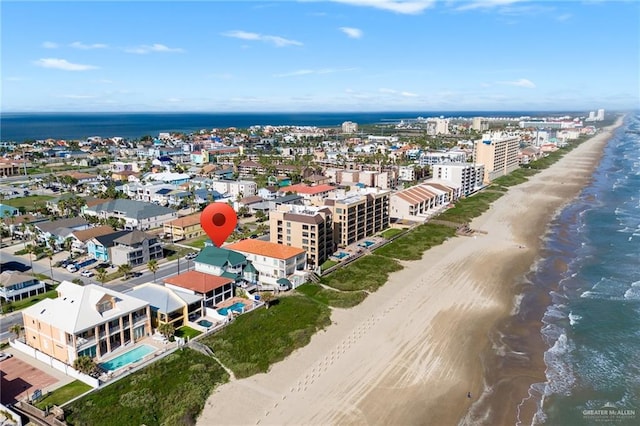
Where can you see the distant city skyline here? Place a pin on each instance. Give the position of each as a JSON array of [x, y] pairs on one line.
[[315, 56]]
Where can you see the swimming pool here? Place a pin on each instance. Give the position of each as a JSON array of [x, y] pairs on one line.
[[341, 255], [205, 323], [236, 307], [127, 358], [368, 243]]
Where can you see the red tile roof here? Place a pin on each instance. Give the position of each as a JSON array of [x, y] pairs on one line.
[[198, 281], [265, 248]]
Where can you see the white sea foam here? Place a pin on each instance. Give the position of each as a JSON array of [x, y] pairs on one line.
[[574, 318], [560, 375]]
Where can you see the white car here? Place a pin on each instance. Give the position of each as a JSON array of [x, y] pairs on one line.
[[5, 355], [87, 273]]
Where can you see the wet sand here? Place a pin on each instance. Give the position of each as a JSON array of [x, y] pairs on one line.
[[410, 353]]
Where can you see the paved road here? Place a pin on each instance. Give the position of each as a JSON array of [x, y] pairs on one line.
[[8, 321]]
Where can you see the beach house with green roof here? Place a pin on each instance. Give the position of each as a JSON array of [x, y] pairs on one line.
[[226, 263]]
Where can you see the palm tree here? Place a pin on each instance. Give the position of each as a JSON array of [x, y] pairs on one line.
[[153, 267], [101, 275], [84, 364], [16, 329], [125, 269], [167, 330], [52, 241], [68, 245], [49, 254], [267, 297], [31, 249]]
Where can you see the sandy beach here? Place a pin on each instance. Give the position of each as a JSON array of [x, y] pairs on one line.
[[410, 353]]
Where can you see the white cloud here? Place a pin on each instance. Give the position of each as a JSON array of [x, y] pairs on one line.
[[523, 82], [409, 94], [156, 47], [563, 17], [384, 90], [275, 40], [80, 45], [351, 32], [50, 45], [62, 64], [397, 92], [412, 7]]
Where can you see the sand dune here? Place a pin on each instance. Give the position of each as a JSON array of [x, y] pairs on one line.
[[411, 351]]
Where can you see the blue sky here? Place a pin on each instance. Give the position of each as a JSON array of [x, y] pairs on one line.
[[343, 55]]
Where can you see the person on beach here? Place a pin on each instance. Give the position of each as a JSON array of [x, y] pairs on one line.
[[469, 395]]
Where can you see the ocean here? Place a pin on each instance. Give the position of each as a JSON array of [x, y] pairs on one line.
[[591, 327], [19, 127]]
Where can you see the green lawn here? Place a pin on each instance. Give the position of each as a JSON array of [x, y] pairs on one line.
[[328, 264], [390, 233], [25, 303], [198, 242], [30, 203], [333, 298], [412, 245], [187, 332], [367, 273], [172, 252], [262, 337], [171, 391], [62, 395]]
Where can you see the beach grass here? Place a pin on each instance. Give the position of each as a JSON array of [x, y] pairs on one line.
[[257, 339], [333, 298], [328, 264], [388, 234], [171, 391], [63, 394], [413, 244], [471, 207], [367, 273]]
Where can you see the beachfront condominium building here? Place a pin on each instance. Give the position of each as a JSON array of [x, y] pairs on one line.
[[468, 177], [480, 124], [277, 264], [349, 127], [421, 201], [359, 214], [305, 227], [85, 320], [437, 126], [498, 153]]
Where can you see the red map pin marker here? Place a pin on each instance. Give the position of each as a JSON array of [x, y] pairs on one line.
[[218, 221]]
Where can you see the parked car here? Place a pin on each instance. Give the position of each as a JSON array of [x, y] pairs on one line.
[[5, 355], [72, 267], [191, 256], [87, 273]]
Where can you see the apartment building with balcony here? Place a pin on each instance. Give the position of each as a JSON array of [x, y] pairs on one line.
[[467, 176], [87, 320], [305, 227], [359, 214], [498, 153], [135, 248]]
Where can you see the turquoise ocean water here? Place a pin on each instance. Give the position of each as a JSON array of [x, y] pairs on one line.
[[592, 326]]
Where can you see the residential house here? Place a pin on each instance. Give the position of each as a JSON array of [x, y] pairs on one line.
[[15, 285], [213, 289], [135, 248], [277, 264], [136, 214], [60, 229], [100, 247], [87, 320], [186, 227], [81, 238], [226, 263], [169, 306]]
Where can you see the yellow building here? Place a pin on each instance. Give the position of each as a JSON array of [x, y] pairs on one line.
[[186, 227], [499, 155], [85, 320]]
